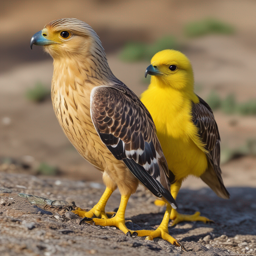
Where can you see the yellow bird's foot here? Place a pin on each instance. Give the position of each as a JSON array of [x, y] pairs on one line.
[[159, 202], [94, 212], [177, 218], [161, 232]]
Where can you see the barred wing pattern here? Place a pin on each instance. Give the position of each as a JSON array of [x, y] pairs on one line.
[[127, 129], [203, 118]]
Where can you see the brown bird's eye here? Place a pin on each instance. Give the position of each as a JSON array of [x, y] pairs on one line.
[[64, 34], [173, 67]]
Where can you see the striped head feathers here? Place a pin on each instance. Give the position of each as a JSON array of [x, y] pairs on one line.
[[69, 37]]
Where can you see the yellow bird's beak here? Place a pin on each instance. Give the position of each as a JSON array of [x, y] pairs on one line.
[[153, 71], [40, 38]]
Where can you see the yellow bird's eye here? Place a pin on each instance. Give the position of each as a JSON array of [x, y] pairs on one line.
[[65, 34]]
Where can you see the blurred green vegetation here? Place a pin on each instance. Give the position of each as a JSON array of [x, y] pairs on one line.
[[135, 51], [248, 149], [46, 169], [214, 100], [38, 93], [229, 105], [207, 26]]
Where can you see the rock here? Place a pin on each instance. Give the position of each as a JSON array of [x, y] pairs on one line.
[[223, 237], [5, 190], [207, 238], [2, 202], [66, 231], [20, 186], [166, 246], [95, 185], [57, 182], [135, 244], [59, 203], [28, 225], [36, 199], [71, 215], [243, 244]]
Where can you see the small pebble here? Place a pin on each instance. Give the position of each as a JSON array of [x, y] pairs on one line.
[[242, 244], [2, 202], [28, 225], [65, 231], [6, 120], [95, 185], [19, 186], [207, 238], [59, 202], [57, 182], [223, 237], [71, 215]]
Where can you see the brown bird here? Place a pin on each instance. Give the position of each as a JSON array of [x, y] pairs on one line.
[[105, 121]]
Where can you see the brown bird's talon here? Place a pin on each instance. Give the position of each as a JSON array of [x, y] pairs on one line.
[[182, 248]]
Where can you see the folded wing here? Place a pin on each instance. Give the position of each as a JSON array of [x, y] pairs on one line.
[[127, 129], [208, 132]]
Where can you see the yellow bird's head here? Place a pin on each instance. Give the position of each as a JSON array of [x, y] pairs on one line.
[[171, 68], [67, 37]]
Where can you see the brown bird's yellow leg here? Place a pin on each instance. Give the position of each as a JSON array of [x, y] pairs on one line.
[[119, 219], [162, 231], [177, 217], [99, 209]]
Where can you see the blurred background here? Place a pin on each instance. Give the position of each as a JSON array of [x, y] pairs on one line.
[[219, 37]]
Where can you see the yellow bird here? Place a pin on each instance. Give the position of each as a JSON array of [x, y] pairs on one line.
[[105, 121], [185, 125]]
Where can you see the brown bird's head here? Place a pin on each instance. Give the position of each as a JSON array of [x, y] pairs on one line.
[[68, 37]]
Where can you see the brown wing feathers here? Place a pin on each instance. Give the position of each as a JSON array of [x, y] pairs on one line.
[[203, 118], [127, 129]]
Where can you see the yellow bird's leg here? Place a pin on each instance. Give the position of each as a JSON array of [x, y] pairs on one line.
[[99, 209], [119, 219], [162, 231], [177, 217]]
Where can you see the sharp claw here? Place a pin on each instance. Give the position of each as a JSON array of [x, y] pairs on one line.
[[134, 234], [210, 221], [84, 219], [129, 234], [183, 248], [113, 215], [116, 209]]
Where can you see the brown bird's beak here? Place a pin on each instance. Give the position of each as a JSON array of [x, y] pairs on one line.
[[39, 39]]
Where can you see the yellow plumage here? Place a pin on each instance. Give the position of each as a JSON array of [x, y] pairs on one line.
[[170, 108], [169, 99]]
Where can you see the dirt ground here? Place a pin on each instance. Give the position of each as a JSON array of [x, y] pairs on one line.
[[35, 219], [30, 132]]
